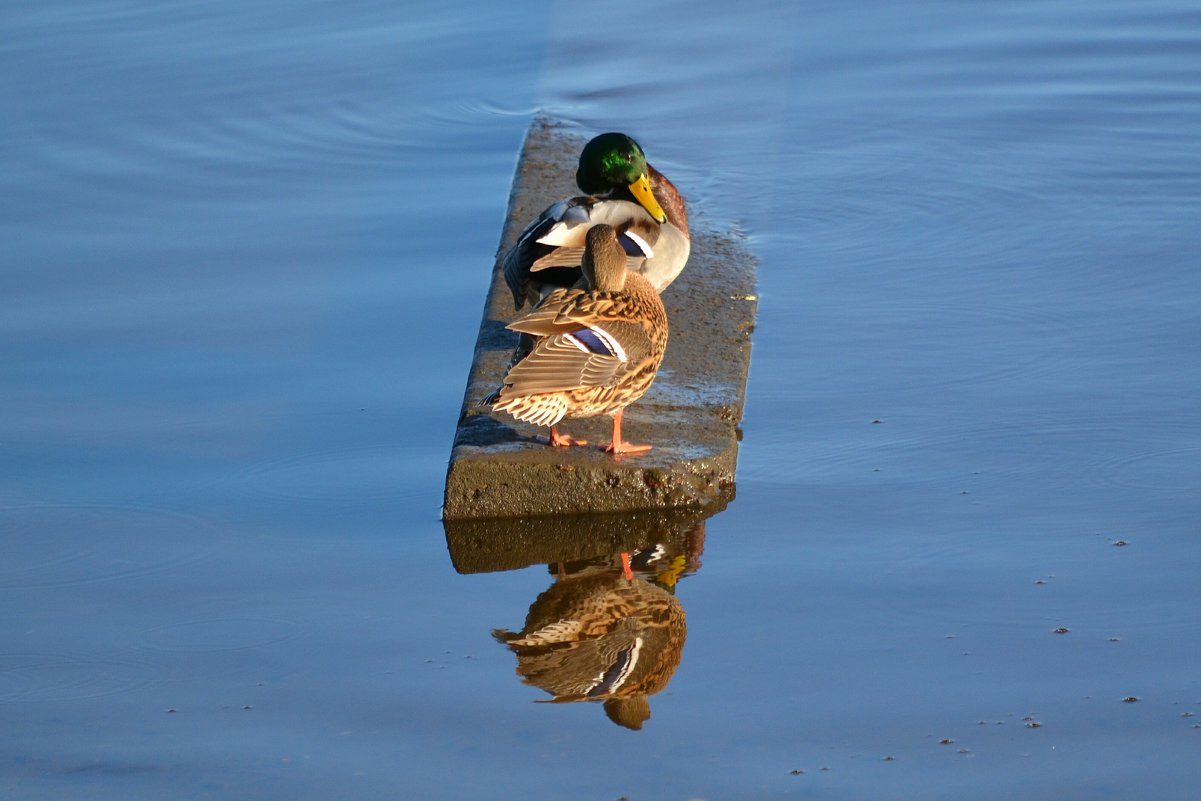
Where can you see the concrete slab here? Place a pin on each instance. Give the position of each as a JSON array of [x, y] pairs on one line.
[[500, 467], [484, 545]]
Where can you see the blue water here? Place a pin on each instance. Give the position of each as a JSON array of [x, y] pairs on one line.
[[245, 249]]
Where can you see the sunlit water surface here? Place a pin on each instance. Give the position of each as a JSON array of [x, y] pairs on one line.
[[245, 249]]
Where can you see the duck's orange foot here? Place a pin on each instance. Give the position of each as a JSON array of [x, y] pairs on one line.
[[626, 570], [558, 440], [625, 448], [618, 446]]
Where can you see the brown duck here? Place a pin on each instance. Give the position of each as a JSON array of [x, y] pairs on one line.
[[596, 350], [600, 637]]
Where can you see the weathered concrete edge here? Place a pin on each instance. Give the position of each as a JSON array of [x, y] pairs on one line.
[[497, 467], [484, 545]]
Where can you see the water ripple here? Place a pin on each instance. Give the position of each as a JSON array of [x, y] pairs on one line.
[[65, 545], [343, 474], [1164, 469], [220, 634], [62, 677], [1051, 448]]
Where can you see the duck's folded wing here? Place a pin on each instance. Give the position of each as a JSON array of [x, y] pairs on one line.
[[608, 308], [574, 257], [593, 356], [518, 259], [544, 320], [559, 257], [565, 361]]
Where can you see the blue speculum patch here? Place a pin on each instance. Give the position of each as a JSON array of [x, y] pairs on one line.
[[592, 341]]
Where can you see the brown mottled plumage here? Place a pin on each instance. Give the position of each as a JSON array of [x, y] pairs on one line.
[[600, 637], [597, 351]]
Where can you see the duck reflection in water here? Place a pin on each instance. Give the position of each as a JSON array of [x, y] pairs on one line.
[[597, 634]]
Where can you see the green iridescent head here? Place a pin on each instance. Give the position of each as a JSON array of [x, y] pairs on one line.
[[613, 164]]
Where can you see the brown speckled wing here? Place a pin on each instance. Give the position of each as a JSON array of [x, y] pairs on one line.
[[557, 364]]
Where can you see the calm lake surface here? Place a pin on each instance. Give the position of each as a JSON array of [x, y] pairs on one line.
[[245, 250]]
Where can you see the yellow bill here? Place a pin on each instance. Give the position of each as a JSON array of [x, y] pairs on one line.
[[642, 192]]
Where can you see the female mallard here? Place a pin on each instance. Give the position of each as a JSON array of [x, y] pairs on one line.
[[597, 349], [624, 192], [596, 636]]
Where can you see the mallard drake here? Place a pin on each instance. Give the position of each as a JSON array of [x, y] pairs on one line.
[[596, 350], [623, 191]]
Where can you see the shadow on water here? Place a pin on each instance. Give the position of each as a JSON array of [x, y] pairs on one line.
[[610, 628]]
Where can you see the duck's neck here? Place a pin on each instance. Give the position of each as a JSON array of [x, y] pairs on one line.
[[665, 192], [669, 198], [609, 275]]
